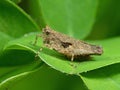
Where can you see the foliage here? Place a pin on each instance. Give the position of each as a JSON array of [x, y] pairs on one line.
[[95, 21]]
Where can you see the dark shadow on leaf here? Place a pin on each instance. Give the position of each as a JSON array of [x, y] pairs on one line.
[[16, 57], [53, 53], [104, 72]]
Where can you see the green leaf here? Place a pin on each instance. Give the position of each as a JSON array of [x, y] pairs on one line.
[[20, 56], [73, 17], [15, 64], [49, 79], [107, 20], [4, 39], [16, 57], [33, 8], [14, 21], [59, 62], [13, 74], [107, 78], [25, 43], [11, 25], [16, 1]]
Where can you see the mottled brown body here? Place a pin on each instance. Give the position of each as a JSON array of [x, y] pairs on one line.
[[68, 46]]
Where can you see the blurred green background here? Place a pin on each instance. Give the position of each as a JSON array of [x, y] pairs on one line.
[[95, 21]]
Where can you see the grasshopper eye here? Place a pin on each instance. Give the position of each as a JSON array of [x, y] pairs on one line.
[[47, 32]]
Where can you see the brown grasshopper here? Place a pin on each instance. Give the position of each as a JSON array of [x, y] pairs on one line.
[[70, 47]]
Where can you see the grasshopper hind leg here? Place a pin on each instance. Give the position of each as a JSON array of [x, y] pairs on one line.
[[72, 57]]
